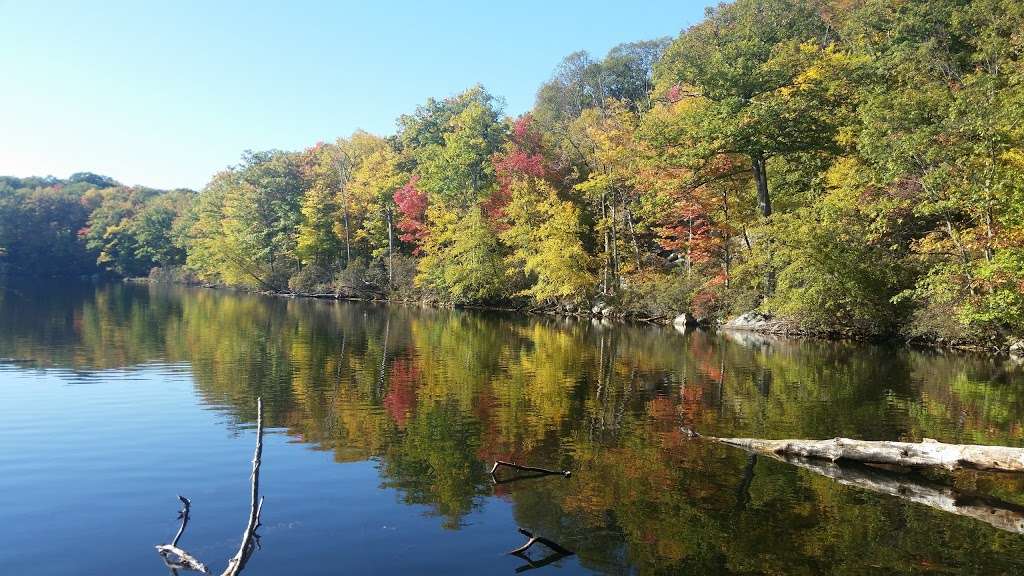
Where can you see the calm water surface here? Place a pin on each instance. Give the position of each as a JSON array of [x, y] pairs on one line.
[[383, 423]]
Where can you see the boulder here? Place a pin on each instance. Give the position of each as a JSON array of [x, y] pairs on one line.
[[1017, 348], [686, 319], [608, 311], [752, 320]]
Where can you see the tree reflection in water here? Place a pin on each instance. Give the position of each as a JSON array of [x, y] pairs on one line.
[[436, 396]]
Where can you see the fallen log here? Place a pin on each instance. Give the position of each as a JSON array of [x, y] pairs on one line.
[[926, 454]]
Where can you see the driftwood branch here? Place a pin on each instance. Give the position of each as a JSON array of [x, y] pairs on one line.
[[539, 471], [249, 538], [518, 478], [186, 504], [926, 454], [532, 539], [176, 558]]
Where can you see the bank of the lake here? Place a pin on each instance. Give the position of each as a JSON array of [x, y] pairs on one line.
[[607, 310]]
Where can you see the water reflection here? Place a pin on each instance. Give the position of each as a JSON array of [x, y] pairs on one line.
[[435, 397]]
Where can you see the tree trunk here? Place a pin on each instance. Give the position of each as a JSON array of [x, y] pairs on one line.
[[391, 248], [689, 243], [726, 249], [632, 234], [348, 247], [342, 164], [605, 282], [615, 248], [764, 201]]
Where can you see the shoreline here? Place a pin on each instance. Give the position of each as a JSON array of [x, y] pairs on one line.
[[776, 328]]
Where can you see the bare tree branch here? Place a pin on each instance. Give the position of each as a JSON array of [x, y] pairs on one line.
[[176, 558], [553, 546], [543, 471], [249, 538]]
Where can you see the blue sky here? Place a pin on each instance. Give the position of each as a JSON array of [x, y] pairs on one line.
[[166, 93]]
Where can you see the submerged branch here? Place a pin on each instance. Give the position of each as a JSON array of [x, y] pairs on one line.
[[553, 546], [532, 476], [540, 471]]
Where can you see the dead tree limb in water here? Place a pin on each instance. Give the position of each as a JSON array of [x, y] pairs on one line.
[[542, 471], [1001, 515], [518, 478], [249, 538], [186, 505], [553, 546], [557, 552], [177, 559], [926, 454]]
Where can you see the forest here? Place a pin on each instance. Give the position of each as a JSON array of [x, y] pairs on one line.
[[851, 167]]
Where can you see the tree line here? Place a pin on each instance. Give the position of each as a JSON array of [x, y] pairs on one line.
[[845, 165]]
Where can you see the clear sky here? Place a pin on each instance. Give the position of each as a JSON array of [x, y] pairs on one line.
[[165, 93]]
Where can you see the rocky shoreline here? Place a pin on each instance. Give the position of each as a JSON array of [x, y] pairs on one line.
[[751, 322]]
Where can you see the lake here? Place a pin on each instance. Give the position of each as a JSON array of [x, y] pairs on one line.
[[383, 423]]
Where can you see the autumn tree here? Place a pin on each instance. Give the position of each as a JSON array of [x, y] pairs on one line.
[[450, 146], [244, 231], [318, 243], [747, 62]]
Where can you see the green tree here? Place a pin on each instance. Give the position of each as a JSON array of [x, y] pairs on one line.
[[545, 235], [40, 222], [463, 259], [317, 244], [244, 229], [749, 63]]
